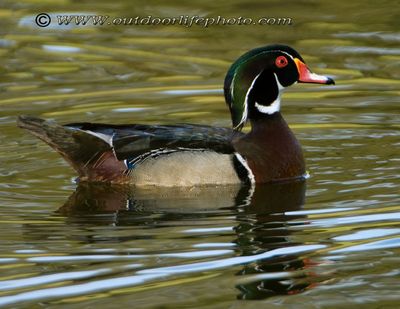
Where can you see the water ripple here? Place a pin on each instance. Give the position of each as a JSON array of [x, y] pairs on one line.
[[141, 276], [381, 244]]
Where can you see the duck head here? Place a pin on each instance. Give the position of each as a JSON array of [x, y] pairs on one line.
[[255, 81]]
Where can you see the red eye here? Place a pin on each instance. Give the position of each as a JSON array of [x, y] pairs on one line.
[[281, 62]]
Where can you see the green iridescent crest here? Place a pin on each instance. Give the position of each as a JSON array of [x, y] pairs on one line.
[[239, 81]]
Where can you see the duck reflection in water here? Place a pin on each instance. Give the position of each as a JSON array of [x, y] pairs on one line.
[[262, 224]]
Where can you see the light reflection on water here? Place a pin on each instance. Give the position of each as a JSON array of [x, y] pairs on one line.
[[331, 241]]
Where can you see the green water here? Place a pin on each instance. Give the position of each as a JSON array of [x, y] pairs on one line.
[[331, 241]]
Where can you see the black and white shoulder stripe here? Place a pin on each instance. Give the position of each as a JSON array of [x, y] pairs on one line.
[[242, 169]]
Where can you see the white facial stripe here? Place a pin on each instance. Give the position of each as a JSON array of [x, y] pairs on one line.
[[274, 106], [246, 104], [280, 87], [281, 51], [244, 116], [286, 54], [232, 83]]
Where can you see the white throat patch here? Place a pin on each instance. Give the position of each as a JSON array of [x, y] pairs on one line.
[[274, 106]]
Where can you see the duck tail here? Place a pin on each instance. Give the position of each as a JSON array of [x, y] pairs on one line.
[[92, 157]]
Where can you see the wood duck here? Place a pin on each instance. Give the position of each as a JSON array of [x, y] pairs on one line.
[[188, 154]]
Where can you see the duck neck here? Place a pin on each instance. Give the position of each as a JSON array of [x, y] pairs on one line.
[[263, 123], [271, 149]]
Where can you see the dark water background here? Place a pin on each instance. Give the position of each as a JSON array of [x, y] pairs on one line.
[[332, 241]]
